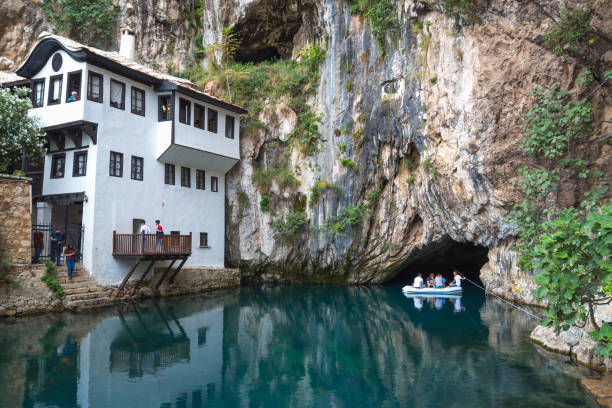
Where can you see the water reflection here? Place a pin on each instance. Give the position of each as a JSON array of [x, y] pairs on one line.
[[284, 347]]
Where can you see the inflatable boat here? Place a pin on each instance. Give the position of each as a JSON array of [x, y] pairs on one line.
[[409, 289], [434, 295]]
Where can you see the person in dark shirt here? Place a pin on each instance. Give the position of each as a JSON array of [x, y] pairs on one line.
[[69, 254], [57, 242], [38, 245]]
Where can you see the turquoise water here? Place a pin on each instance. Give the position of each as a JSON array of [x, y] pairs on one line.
[[286, 347]]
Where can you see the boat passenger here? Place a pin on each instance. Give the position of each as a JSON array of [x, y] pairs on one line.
[[429, 281], [439, 281], [457, 279], [418, 281]]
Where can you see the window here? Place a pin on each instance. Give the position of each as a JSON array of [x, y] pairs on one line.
[[38, 93], [214, 184], [73, 86], [116, 164], [198, 116], [202, 336], [175, 232], [94, 87], [203, 239], [138, 101], [57, 165], [55, 90], [212, 120], [137, 168], [169, 174], [165, 108], [185, 177], [79, 164], [117, 94], [184, 111], [229, 126], [200, 179]]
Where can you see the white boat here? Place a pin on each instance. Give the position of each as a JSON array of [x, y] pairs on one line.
[[456, 295], [409, 289]]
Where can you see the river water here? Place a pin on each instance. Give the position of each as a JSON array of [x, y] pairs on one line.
[[286, 347]]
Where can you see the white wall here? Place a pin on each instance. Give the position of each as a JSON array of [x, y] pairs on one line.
[[191, 136]]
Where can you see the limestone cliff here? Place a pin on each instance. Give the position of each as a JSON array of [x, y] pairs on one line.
[[433, 120]]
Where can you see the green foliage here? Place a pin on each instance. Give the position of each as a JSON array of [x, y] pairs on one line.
[[306, 133], [579, 165], [51, 280], [89, 21], [319, 187], [603, 335], [342, 147], [281, 174], [568, 31], [19, 133], [225, 48], [572, 262], [348, 163], [349, 216], [555, 120], [410, 179], [312, 55], [243, 200], [538, 183], [288, 228], [347, 85], [433, 80], [264, 203], [382, 16], [456, 6], [431, 170]]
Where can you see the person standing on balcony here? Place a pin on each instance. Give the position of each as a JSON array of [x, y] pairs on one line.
[[144, 229], [57, 241], [159, 231], [69, 254], [38, 245]]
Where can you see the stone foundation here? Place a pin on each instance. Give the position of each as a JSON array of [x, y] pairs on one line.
[[194, 280], [15, 217]]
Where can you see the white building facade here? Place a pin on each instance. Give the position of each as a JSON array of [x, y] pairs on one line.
[[126, 143]]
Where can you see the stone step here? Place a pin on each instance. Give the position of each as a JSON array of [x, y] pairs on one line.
[[85, 288], [75, 279], [90, 303], [100, 294]]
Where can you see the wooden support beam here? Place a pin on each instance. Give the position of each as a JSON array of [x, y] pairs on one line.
[[144, 275], [126, 279], [178, 270], [159, 282]]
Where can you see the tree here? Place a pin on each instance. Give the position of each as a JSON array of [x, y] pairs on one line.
[[19, 133]]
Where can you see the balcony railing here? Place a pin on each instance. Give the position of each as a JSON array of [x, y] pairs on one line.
[[151, 244]]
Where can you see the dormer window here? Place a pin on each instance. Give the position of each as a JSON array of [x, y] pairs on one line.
[[138, 101], [94, 87], [184, 111], [117, 94], [55, 90], [73, 86], [38, 93], [165, 108]]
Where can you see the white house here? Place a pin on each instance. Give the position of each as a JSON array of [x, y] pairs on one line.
[[127, 143]]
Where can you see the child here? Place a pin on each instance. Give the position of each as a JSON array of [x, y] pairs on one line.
[[159, 231]]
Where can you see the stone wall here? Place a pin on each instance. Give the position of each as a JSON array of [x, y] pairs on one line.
[[27, 293], [194, 280], [16, 217]]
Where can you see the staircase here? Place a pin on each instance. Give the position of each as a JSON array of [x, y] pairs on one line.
[[82, 291]]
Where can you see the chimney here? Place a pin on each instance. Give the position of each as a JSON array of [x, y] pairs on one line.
[[127, 46]]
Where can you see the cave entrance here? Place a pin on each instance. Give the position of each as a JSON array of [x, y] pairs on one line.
[[443, 257]]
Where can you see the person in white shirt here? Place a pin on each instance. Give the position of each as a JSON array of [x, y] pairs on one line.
[[418, 281], [144, 228], [457, 279]]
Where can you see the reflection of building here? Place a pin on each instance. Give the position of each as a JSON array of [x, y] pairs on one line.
[[147, 358], [145, 347]]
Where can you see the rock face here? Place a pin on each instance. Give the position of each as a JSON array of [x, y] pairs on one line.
[[15, 218]]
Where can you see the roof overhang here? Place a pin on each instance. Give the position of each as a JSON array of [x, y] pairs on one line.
[[169, 86], [62, 199], [196, 158], [90, 128]]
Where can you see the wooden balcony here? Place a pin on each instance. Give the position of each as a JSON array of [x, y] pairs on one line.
[[151, 246]]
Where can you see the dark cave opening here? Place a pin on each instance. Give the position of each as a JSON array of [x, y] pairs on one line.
[[256, 56], [443, 257]]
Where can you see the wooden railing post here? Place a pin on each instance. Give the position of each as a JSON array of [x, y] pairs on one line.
[[114, 241], [189, 247], [142, 244]]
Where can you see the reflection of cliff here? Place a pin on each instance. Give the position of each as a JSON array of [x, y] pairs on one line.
[[144, 346], [373, 348]]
